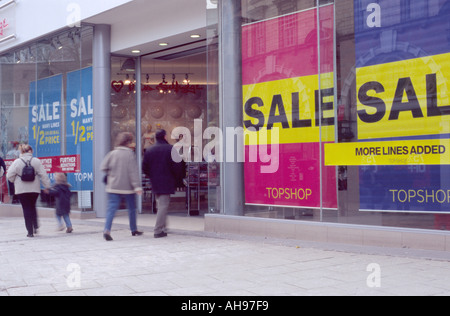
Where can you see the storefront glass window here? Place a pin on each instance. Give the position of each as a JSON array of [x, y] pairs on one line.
[[213, 109], [288, 94], [46, 101], [123, 96], [352, 95], [174, 98], [393, 95]]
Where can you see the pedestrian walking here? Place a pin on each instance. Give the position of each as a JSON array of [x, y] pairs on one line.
[[164, 174], [13, 154], [122, 182], [61, 191], [27, 173], [2, 173], [2, 167]]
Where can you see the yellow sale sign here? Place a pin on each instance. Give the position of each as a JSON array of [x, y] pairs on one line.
[[404, 98], [293, 106], [410, 152]]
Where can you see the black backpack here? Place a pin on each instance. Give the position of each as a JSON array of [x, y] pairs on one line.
[[28, 172]]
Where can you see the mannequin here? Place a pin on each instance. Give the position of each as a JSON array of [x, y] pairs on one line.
[[148, 137]]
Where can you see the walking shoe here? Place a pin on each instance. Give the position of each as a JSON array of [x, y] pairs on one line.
[[137, 233], [107, 237], [69, 230], [160, 235]]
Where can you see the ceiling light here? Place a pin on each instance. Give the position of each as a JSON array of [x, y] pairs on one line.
[[56, 43], [163, 44], [195, 36], [136, 51]]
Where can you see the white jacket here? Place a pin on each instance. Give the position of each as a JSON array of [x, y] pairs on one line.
[[122, 170], [15, 171]]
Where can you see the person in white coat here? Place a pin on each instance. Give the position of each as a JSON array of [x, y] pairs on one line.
[[122, 182], [28, 192]]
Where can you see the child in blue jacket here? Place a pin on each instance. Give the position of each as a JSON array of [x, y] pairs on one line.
[[61, 190]]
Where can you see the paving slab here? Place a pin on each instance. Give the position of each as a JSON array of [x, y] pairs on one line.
[[190, 262]]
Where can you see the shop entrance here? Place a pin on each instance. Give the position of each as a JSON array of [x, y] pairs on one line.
[[174, 93]]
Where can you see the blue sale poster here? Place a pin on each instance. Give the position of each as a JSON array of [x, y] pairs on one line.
[[402, 52], [79, 127], [45, 116]]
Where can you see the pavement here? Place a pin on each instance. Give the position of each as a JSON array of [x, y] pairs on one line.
[[191, 262]]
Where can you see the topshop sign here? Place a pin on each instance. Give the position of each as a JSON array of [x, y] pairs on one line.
[[7, 20]]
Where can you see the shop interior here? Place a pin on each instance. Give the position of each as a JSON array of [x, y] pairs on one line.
[[174, 93]]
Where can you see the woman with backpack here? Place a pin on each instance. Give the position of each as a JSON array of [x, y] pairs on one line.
[[27, 173]]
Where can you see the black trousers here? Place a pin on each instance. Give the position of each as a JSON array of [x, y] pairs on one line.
[[28, 201]]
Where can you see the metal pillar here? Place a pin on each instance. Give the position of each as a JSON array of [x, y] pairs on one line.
[[102, 111], [231, 102], [138, 125]]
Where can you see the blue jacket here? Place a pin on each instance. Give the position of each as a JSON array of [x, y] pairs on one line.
[[62, 194]]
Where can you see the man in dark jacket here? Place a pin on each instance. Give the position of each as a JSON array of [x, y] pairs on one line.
[[164, 174]]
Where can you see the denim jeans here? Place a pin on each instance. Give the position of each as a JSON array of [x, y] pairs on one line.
[[66, 220], [114, 201]]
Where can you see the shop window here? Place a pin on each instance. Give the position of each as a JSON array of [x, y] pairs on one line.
[[46, 101], [384, 82]]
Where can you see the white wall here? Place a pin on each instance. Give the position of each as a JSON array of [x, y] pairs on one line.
[[141, 22], [133, 22], [35, 18]]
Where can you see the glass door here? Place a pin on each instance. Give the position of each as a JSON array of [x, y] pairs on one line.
[[174, 98]]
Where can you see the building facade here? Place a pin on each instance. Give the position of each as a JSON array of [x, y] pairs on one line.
[[307, 111]]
